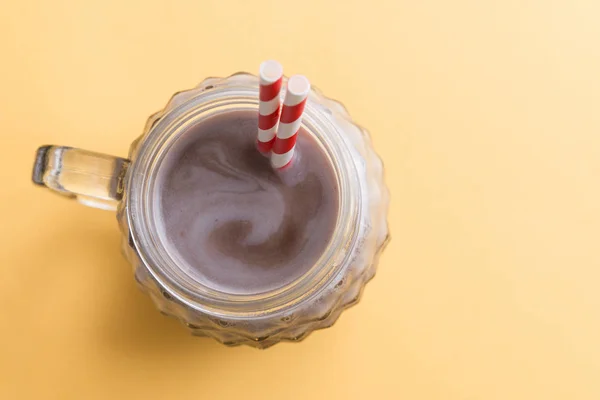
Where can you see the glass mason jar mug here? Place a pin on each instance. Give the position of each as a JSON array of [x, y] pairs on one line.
[[289, 313]]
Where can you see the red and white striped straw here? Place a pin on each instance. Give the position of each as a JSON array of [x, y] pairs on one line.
[[296, 94], [271, 74]]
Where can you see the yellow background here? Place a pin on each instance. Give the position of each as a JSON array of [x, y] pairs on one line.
[[486, 114]]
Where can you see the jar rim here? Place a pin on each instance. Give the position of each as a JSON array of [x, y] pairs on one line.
[[201, 103]]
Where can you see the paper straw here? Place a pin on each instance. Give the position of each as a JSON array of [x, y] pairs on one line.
[[296, 94], [271, 74]]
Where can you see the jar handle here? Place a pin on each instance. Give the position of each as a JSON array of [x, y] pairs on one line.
[[93, 179]]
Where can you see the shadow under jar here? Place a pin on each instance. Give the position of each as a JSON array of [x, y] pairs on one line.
[[219, 240]]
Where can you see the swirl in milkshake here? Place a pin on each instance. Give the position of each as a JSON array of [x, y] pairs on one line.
[[231, 221]]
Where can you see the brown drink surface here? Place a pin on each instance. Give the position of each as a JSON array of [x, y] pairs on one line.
[[234, 223]]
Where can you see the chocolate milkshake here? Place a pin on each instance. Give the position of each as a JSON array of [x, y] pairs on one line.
[[231, 221]]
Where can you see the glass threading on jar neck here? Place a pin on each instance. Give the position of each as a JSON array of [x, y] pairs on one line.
[[141, 207]]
